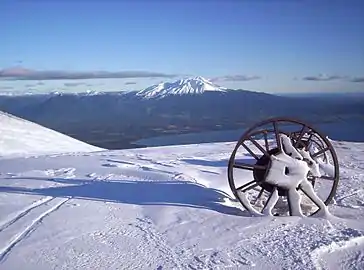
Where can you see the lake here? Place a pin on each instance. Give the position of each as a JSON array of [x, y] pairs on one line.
[[352, 131]]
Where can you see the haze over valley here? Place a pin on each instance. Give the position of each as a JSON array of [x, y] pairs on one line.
[[116, 120]]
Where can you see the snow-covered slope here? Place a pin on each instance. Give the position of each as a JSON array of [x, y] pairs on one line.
[[21, 137], [165, 208], [191, 86]]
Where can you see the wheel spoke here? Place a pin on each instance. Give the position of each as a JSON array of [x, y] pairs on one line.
[[250, 151], [248, 186], [259, 146], [325, 177], [271, 202], [308, 140], [320, 152], [302, 133], [266, 141], [259, 195], [278, 139], [247, 166]]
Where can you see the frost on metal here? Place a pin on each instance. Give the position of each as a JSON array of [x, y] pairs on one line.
[[291, 163]]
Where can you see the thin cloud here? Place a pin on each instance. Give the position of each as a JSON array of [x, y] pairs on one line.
[[30, 85], [130, 83], [73, 84], [357, 79], [27, 74], [6, 88], [322, 77], [236, 78]]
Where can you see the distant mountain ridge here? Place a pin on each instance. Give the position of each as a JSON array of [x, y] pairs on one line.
[[189, 86], [114, 119]]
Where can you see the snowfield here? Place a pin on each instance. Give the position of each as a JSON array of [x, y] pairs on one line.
[[19, 137], [164, 208]]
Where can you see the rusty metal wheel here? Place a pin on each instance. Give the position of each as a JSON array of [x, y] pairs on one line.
[[283, 166]]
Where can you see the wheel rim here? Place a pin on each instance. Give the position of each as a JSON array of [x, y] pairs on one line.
[[265, 193]]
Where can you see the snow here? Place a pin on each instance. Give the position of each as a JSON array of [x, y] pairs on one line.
[[190, 86], [19, 137], [289, 171], [165, 208]]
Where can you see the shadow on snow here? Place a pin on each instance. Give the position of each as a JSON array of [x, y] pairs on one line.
[[173, 193], [218, 163]]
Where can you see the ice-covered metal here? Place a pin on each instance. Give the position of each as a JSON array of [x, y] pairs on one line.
[[283, 166]]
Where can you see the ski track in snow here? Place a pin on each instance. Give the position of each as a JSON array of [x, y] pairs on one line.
[[218, 243], [29, 229], [23, 212]]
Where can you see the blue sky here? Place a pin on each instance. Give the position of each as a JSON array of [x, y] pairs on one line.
[[266, 45]]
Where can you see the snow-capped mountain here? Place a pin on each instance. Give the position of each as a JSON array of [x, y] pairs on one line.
[[190, 86]]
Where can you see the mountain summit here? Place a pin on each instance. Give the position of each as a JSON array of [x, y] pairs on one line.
[[190, 86]]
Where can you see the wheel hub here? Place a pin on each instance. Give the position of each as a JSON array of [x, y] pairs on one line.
[[283, 171], [260, 175]]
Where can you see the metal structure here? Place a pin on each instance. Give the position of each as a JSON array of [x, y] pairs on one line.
[[283, 166]]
